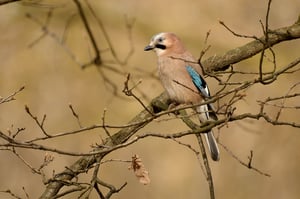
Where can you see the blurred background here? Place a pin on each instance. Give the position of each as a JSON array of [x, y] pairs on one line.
[[53, 79]]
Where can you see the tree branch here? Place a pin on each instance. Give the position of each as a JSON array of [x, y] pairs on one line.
[[159, 104], [97, 60], [222, 62], [85, 162], [2, 2]]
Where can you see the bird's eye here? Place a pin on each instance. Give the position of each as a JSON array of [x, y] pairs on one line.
[[160, 39]]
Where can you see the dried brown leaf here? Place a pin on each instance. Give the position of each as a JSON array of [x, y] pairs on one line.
[[139, 170]]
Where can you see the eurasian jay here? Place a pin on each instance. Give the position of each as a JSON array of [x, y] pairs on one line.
[[181, 77]]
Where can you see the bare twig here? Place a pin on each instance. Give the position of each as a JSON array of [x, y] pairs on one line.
[[128, 92], [112, 189], [197, 153], [52, 35], [266, 45], [284, 99], [13, 135], [26, 194], [24, 161], [97, 60], [75, 115], [129, 26], [44, 34], [221, 62], [40, 124], [8, 191], [103, 123], [11, 96], [249, 164], [93, 183]]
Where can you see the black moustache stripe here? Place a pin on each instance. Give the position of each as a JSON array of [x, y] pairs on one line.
[[160, 46]]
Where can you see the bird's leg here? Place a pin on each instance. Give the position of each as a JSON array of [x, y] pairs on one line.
[[173, 105]]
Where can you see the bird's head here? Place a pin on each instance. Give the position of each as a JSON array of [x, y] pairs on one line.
[[165, 43]]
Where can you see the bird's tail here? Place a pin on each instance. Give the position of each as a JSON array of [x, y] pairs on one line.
[[212, 146], [206, 113]]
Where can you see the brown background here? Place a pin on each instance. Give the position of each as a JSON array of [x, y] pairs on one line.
[[53, 80]]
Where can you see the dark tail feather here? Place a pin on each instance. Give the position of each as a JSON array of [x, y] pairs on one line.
[[212, 146], [206, 113]]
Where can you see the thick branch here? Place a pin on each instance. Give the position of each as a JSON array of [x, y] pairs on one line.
[[221, 62], [86, 162]]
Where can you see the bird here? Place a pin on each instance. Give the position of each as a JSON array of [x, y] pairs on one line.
[[182, 78]]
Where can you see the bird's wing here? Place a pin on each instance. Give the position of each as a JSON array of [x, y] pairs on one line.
[[202, 87], [198, 81]]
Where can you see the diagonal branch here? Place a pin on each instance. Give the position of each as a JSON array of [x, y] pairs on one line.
[[221, 62], [82, 164]]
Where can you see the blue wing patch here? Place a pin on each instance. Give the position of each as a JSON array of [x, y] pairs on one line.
[[198, 81], [203, 89]]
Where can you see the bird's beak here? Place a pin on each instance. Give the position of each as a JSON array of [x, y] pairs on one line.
[[149, 47]]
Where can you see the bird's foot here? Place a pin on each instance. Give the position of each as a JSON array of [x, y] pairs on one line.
[[172, 106]]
